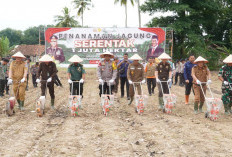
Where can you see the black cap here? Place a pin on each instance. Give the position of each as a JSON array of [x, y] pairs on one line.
[[154, 37]]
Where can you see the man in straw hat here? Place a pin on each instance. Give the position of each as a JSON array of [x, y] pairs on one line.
[[163, 73], [135, 73], [17, 76], [106, 72], [225, 75], [47, 71], [76, 72], [200, 73]]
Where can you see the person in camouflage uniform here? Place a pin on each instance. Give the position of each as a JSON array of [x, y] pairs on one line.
[[225, 75]]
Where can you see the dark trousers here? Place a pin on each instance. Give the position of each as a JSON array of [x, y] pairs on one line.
[[76, 88], [57, 81], [106, 89], [34, 80], [50, 86], [6, 85], [151, 84], [188, 87], [165, 89], [181, 75], [2, 87], [176, 77], [116, 84], [124, 81]]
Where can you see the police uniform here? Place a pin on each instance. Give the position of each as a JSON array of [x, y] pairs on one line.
[[135, 73], [106, 70], [47, 71], [18, 69], [57, 53], [76, 72], [201, 74], [226, 73]]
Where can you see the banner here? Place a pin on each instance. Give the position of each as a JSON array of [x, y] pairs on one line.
[[89, 43]]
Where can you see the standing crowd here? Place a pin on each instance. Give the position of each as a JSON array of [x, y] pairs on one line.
[[112, 72]]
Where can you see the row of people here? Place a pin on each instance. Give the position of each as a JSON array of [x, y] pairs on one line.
[[196, 72]]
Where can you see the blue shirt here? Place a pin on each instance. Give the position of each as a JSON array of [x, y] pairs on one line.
[[124, 66], [188, 70]]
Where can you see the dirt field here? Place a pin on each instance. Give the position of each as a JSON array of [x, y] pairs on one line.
[[121, 133]]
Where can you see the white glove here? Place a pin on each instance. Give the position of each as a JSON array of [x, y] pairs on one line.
[[130, 82], [198, 82], [70, 81], [101, 81], [10, 81], [157, 80], [209, 81], [226, 83], [37, 81], [111, 81], [169, 80], [81, 81], [49, 79], [143, 81], [22, 80]]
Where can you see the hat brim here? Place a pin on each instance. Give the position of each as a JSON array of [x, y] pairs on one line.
[[103, 55], [201, 61]]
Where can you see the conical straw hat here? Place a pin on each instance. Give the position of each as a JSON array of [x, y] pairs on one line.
[[135, 57], [200, 59], [228, 59], [164, 56], [107, 53], [19, 54], [75, 59], [46, 58]]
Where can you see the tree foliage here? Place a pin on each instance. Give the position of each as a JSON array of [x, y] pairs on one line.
[[14, 36], [4, 46], [81, 6], [201, 27], [66, 20]]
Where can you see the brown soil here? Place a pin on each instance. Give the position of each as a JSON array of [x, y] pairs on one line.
[[122, 133]]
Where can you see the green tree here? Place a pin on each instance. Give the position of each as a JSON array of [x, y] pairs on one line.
[[197, 24], [124, 2], [81, 6], [14, 36], [66, 20], [32, 34], [4, 46]]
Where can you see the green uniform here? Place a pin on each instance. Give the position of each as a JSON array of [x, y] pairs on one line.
[[226, 73], [76, 72]]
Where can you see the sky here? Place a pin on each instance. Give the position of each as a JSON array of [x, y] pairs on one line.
[[22, 14]]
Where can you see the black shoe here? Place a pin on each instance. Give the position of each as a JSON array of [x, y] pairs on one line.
[[128, 98]]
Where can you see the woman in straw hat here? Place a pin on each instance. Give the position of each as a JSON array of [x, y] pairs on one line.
[[200, 73], [76, 72], [225, 75], [17, 76], [135, 73], [47, 71], [163, 72], [106, 73]]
